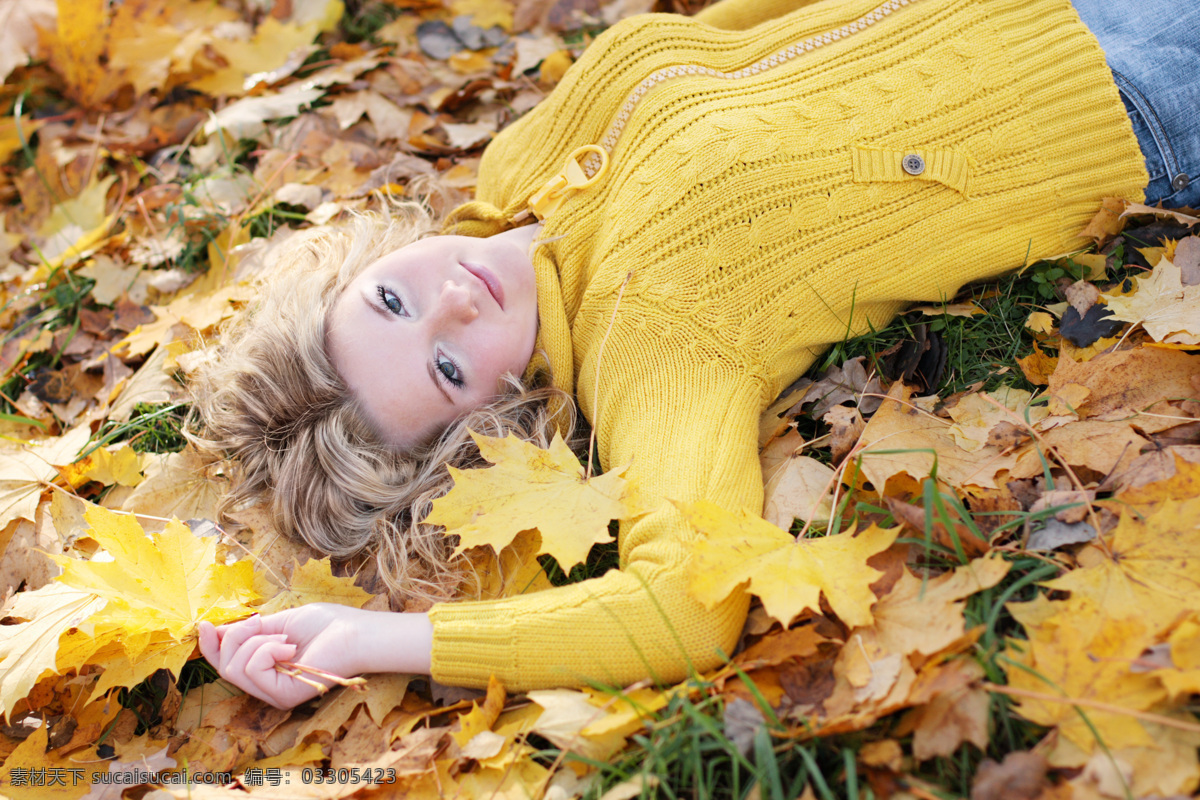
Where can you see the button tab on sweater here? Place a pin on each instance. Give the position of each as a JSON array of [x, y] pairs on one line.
[[913, 164], [573, 178]]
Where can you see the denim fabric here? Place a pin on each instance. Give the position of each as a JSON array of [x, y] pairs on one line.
[[1153, 50]]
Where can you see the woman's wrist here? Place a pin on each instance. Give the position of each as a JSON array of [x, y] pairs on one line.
[[396, 642]]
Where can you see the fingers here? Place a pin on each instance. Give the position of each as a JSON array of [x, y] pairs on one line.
[[209, 641], [260, 649], [245, 654], [273, 686], [252, 669], [233, 637]]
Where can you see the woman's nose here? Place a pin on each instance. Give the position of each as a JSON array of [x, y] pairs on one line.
[[457, 303]]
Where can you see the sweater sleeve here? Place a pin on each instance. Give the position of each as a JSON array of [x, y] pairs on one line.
[[738, 15], [686, 436]]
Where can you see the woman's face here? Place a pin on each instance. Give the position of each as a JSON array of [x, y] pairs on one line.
[[423, 335]]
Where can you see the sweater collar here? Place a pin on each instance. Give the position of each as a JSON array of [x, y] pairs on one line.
[[554, 354]]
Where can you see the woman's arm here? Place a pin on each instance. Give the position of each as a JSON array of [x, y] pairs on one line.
[[689, 432], [339, 640]]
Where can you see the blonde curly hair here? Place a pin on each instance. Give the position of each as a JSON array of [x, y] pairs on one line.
[[269, 398]]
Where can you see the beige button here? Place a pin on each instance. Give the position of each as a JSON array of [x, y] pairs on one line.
[[913, 164]]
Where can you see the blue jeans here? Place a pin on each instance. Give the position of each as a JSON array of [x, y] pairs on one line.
[[1153, 50]]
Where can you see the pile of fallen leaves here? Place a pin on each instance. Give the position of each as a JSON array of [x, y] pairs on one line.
[[1001, 572]]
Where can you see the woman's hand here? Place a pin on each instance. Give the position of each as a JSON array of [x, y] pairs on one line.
[[339, 640]]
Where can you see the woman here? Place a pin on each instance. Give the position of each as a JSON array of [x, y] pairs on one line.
[[719, 199]]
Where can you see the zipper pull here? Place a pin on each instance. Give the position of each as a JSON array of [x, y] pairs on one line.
[[545, 201]]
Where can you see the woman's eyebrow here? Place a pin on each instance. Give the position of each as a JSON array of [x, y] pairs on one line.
[[433, 377]]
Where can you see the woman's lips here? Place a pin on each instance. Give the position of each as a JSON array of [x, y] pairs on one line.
[[488, 279]]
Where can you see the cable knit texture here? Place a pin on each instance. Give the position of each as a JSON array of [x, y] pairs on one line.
[[760, 219]]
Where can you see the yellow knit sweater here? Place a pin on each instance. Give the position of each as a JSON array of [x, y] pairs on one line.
[[760, 217]]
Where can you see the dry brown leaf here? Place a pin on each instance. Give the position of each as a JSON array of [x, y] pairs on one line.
[[799, 488], [1187, 258], [941, 726], [19, 24], [1129, 383], [184, 485], [926, 616], [1169, 474], [902, 439], [846, 424], [977, 414], [1021, 776], [1140, 208], [1038, 366], [840, 384], [1108, 222]]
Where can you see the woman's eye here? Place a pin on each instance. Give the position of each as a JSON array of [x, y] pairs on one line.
[[391, 302], [450, 371]]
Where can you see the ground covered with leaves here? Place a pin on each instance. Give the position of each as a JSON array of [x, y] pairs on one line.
[[975, 573]]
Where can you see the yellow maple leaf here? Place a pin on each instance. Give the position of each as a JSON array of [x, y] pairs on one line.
[[1149, 575], [1169, 768], [1168, 310], [313, 582], [482, 716], [185, 485], [127, 660], [1040, 322], [122, 465], [29, 649], [77, 51], [532, 488], [81, 770], [513, 571], [167, 583], [1180, 483], [788, 574], [1091, 663], [141, 43], [198, 310], [272, 45]]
